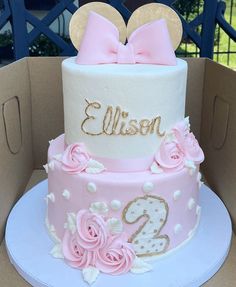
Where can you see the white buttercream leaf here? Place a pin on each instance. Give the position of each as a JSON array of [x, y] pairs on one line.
[[115, 226], [155, 168], [46, 167], [51, 197], [200, 182], [94, 167], [57, 156], [57, 251], [190, 165], [99, 207], [90, 274], [51, 165], [71, 222], [140, 266]]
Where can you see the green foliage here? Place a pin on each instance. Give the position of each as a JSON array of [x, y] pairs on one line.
[[6, 39], [189, 9], [43, 46]]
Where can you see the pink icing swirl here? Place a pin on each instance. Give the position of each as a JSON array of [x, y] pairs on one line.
[[91, 230], [192, 149], [173, 153], [75, 255], [169, 156], [116, 257], [75, 158]]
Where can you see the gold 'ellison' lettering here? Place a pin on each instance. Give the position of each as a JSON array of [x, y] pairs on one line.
[[116, 122]]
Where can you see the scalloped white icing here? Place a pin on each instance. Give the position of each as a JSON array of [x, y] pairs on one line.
[[90, 274]]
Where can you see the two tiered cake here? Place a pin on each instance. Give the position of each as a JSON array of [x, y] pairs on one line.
[[123, 181]]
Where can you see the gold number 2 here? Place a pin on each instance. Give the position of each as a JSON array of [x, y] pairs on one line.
[[147, 240]]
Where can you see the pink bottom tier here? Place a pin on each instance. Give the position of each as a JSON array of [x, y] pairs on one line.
[[158, 211]]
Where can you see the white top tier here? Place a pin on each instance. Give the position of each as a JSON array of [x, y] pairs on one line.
[[122, 111]]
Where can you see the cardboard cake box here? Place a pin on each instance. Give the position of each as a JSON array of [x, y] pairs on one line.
[[32, 114]]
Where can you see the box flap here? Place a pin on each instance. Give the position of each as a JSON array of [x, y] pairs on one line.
[[218, 132], [195, 84], [15, 135], [47, 104]]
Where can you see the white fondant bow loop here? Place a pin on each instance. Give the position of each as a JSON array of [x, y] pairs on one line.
[[148, 44]]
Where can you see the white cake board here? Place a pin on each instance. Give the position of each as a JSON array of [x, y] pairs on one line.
[[28, 246]]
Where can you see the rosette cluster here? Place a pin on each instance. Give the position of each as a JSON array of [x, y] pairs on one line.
[[91, 244], [179, 149]]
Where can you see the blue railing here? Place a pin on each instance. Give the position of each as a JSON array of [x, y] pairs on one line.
[[15, 12]]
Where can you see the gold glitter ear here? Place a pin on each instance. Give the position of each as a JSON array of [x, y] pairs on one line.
[[154, 11], [80, 17]]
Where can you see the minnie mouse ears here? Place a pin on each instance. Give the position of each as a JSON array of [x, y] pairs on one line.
[[144, 14]]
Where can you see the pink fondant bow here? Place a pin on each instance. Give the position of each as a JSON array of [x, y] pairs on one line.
[[149, 44]]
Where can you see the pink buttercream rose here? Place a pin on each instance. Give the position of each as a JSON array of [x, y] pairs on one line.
[[116, 257], [75, 255], [170, 156], [75, 158], [92, 231], [192, 149]]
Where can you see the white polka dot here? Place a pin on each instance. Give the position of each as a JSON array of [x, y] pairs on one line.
[[66, 194], [177, 194], [148, 186], [115, 204], [91, 187], [191, 203], [178, 228]]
